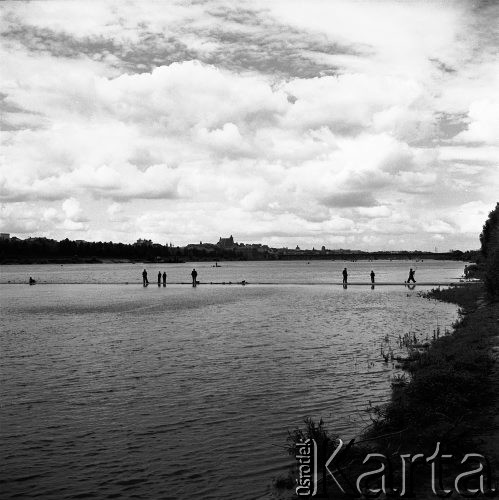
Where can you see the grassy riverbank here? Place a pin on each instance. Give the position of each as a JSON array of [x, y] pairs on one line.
[[452, 395], [449, 383]]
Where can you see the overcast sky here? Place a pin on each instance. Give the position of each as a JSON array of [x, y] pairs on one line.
[[352, 124]]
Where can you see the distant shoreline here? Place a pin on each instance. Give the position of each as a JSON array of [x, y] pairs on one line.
[[46, 251], [34, 261]]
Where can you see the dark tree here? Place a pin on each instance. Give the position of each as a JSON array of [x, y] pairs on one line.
[[490, 250]]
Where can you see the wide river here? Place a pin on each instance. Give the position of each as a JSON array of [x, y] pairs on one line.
[[113, 390]]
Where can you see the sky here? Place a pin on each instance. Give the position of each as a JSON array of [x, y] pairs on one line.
[[362, 124]]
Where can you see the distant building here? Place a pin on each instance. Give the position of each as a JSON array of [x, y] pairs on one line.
[[207, 247], [226, 242], [249, 249], [4, 236], [39, 238], [143, 242]]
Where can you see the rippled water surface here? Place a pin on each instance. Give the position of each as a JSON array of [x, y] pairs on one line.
[[120, 391], [259, 271]]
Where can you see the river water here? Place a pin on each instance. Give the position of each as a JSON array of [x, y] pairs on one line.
[[253, 272], [121, 391]]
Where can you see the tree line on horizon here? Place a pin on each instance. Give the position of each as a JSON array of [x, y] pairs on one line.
[[43, 250]]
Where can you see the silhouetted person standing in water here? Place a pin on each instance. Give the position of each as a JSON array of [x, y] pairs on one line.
[[164, 279], [159, 278], [372, 276], [411, 276], [31, 281], [194, 275], [145, 282], [345, 276]]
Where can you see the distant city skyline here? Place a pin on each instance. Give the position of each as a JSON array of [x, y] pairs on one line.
[[370, 125], [228, 243]]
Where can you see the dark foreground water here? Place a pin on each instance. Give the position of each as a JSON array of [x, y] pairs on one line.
[[119, 391]]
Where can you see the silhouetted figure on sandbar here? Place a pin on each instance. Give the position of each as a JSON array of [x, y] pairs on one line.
[[194, 275], [164, 279], [345, 276], [159, 278], [31, 281], [372, 276], [145, 282], [411, 276]]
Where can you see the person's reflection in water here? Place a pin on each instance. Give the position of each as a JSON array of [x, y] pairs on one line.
[[372, 286], [345, 286], [411, 287]]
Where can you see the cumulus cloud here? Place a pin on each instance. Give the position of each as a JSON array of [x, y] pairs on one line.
[[73, 210], [374, 212], [283, 121], [352, 199], [483, 124]]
